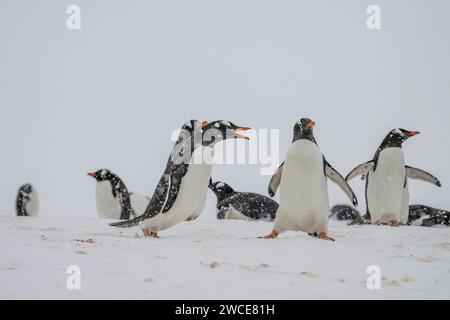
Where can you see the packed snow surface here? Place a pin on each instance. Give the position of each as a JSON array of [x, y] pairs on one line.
[[219, 259]]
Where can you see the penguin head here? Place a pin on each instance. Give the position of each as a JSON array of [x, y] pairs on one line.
[[220, 130], [221, 189], [101, 175], [193, 125], [398, 136], [303, 129], [26, 190]]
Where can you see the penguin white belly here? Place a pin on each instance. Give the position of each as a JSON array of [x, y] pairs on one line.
[[139, 203], [385, 192], [32, 206], [108, 207], [199, 210], [191, 194], [303, 190], [234, 214]]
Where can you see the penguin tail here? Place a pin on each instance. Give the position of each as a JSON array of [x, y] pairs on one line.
[[127, 223]]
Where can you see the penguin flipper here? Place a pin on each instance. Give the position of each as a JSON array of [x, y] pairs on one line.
[[177, 172], [336, 177], [275, 180], [415, 173], [361, 169]]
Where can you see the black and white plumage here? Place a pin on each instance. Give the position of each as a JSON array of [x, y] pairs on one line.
[[387, 192], [181, 191], [27, 201], [302, 178], [419, 215], [113, 199], [242, 205]]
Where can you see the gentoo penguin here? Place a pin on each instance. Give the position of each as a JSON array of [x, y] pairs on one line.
[[182, 188], [113, 199], [425, 216], [27, 202], [387, 194], [303, 186], [419, 215], [242, 205]]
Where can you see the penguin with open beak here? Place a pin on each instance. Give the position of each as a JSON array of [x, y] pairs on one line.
[[181, 191]]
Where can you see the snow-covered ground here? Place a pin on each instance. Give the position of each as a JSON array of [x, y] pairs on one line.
[[210, 259]]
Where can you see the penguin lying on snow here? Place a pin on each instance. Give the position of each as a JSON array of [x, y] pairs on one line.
[[387, 194], [113, 199], [302, 178], [242, 205], [182, 188], [27, 201], [419, 215]]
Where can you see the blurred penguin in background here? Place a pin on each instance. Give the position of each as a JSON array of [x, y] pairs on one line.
[[27, 202]]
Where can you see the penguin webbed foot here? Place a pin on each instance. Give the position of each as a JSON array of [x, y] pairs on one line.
[[271, 235], [395, 223], [321, 235], [151, 234]]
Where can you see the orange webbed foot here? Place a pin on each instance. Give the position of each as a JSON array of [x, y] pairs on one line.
[[324, 236], [271, 235]]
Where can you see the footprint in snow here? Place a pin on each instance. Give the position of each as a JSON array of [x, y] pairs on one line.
[[308, 274], [211, 265]]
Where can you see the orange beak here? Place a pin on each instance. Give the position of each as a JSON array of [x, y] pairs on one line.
[[237, 130], [311, 124], [203, 123], [413, 133], [91, 174]]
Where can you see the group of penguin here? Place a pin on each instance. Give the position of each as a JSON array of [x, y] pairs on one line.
[[301, 179]]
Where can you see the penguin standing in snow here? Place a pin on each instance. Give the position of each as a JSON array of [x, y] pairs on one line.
[[27, 201], [242, 205], [113, 199], [182, 188], [387, 194], [303, 186]]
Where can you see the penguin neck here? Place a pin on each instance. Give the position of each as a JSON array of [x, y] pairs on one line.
[[390, 143], [387, 143], [303, 136], [223, 195]]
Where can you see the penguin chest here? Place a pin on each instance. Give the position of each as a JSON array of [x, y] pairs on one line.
[[303, 189], [386, 194], [32, 206], [192, 192], [108, 206]]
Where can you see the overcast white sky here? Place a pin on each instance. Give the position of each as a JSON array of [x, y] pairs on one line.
[[110, 94]]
